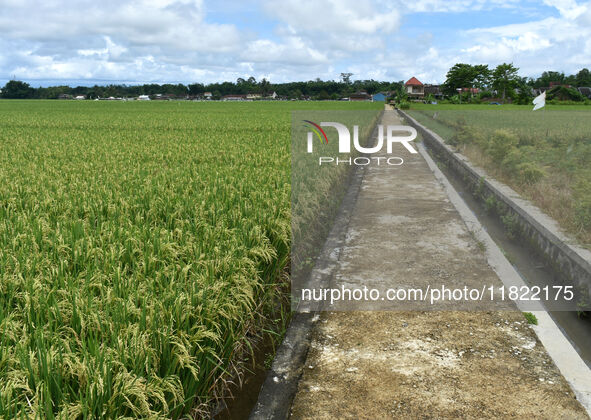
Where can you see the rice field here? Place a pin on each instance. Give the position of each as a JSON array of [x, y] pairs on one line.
[[544, 155], [140, 250]]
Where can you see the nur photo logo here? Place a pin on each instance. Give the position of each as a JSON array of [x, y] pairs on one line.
[[392, 135]]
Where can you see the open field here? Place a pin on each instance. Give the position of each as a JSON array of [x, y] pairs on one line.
[[544, 155], [140, 247]]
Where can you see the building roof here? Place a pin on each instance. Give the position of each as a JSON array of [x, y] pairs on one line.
[[413, 81], [360, 94]]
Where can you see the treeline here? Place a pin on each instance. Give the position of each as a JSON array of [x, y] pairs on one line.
[[505, 82], [315, 89], [502, 81]]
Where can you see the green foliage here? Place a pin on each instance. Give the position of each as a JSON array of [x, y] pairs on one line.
[[504, 78], [429, 98], [582, 193], [530, 318], [466, 76], [293, 90], [583, 78], [404, 105], [562, 93], [511, 224], [466, 134], [490, 204], [529, 173], [16, 89], [553, 146], [501, 143]]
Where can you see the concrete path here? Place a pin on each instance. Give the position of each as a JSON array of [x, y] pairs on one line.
[[404, 232]]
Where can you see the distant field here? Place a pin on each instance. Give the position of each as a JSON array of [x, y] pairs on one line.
[[545, 155], [140, 244]]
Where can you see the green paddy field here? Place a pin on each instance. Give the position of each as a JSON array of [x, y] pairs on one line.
[[141, 251]]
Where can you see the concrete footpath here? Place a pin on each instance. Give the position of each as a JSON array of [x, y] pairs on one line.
[[405, 231]]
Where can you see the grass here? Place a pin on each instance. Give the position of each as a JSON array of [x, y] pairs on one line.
[[543, 155], [530, 318], [140, 250]]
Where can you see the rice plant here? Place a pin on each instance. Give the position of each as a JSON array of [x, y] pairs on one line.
[[140, 246]]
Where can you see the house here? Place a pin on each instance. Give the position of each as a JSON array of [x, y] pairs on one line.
[[80, 97], [554, 84], [585, 91], [252, 96], [233, 97], [207, 95], [360, 96], [379, 97], [434, 90], [64, 96], [143, 98], [414, 88], [472, 91]]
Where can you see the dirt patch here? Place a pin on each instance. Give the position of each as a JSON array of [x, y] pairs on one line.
[[431, 365]]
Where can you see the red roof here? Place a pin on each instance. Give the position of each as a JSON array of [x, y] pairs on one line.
[[413, 81]]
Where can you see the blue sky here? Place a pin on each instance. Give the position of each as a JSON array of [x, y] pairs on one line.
[[185, 41]]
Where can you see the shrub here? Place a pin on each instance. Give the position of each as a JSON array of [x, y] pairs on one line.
[[512, 160], [582, 193], [529, 173], [466, 134], [501, 143], [531, 318], [404, 105], [562, 93], [511, 224]]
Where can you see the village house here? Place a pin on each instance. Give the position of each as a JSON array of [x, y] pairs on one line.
[[434, 90], [585, 91], [379, 97], [414, 88], [360, 96], [234, 97]]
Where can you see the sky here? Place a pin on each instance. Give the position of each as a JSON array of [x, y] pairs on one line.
[[88, 42]]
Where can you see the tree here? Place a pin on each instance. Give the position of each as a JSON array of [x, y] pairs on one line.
[[504, 77], [525, 95], [15, 89], [466, 76], [401, 94], [562, 93], [265, 86], [481, 76], [346, 78], [583, 78], [547, 77]]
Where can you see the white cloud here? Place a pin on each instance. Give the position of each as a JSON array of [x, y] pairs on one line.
[[567, 8], [291, 51], [554, 43], [456, 6], [335, 16], [183, 40]]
